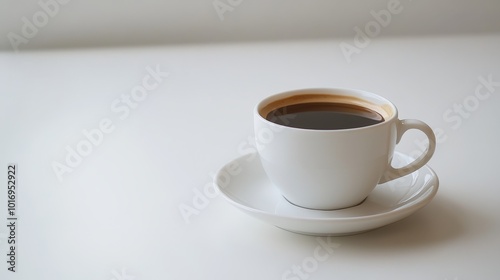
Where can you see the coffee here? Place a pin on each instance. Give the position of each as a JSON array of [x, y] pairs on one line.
[[324, 116], [331, 147]]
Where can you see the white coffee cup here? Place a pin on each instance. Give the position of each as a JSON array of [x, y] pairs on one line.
[[333, 169]]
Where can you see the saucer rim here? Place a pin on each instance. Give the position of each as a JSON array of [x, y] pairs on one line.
[[417, 202]]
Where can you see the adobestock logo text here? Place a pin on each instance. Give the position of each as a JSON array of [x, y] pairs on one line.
[[202, 196], [309, 265], [31, 26], [372, 29], [121, 107]]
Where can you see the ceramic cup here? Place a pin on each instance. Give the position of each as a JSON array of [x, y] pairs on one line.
[[333, 169]]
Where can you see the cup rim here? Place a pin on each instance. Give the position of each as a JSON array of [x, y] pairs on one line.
[[384, 106]]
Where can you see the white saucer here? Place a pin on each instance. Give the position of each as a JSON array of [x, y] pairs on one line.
[[250, 191]]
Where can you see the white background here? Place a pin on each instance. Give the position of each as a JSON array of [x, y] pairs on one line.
[[117, 213], [128, 22]]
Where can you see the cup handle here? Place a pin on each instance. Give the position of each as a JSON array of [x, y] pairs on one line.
[[403, 126]]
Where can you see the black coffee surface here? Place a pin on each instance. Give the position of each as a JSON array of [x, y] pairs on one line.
[[324, 116]]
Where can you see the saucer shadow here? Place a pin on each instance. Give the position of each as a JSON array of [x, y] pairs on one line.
[[440, 221]]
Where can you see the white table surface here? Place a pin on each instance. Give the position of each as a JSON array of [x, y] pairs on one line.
[[116, 215]]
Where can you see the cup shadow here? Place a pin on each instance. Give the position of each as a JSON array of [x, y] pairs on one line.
[[440, 221]]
